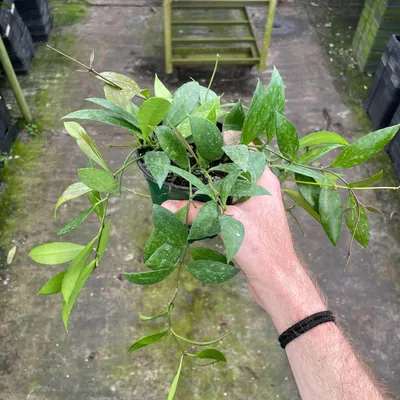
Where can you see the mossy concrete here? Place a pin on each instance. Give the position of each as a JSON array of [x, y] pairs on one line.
[[39, 360]]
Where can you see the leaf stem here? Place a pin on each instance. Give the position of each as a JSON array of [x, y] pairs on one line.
[[103, 218], [134, 192], [127, 165], [212, 77]]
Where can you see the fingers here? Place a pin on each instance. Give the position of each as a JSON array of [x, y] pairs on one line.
[[269, 181], [176, 205]]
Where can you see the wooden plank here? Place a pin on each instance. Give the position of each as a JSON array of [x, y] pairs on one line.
[[168, 37], [227, 60], [220, 3], [181, 51], [214, 22], [254, 47], [214, 40]]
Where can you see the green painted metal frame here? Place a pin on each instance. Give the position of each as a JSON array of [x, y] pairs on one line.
[[239, 55]]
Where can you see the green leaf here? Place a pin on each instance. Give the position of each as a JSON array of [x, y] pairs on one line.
[[257, 163], [207, 137], [301, 201], [367, 182], [83, 277], [211, 354], [193, 180], [75, 222], [55, 253], [158, 164], [287, 137], [128, 89], [104, 240], [85, 143], [309, 192], [148, 278], [97, 179], [155, 337], [312, 154], [105, 116], [239, 155], [232, 235], [160, 90], [71, 192], [225, 185], [183, 103], [235, 118], [323, 137], [206, 222], [206, 97], [209, 271], [145, 93], [165, 222], [149, 318], [228, 168], [74, 270], [94, 197], [243, 188], [330, 211], [164, 257], [365, 147], [174, 385], [302, 170], [357, 222], [374, 210], [201, 343], [151, 113], [202, 253], [156, 240], [181, 214], [172, 146], [128, 116], [265, 102], [53, 285]]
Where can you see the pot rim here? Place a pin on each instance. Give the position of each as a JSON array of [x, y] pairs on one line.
[[166, 185]]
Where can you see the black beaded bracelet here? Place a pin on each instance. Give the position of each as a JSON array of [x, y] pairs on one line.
[[305, 325]]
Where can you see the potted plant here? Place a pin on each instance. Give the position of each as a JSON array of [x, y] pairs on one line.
[[191, 146]]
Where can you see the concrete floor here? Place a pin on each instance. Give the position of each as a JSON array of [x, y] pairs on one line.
[[39, 360]]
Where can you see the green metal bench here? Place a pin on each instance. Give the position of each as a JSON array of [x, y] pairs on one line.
[[195, 30]]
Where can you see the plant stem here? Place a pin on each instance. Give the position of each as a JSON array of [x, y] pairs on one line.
[[352, 237], [100, 234], [134, 192], [212, 77], [126, 160], [127, 165]]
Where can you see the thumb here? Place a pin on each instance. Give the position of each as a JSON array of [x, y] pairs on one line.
[[176, 205]]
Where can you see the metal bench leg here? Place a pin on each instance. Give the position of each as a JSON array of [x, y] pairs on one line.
[[268, 31], [167, 37]]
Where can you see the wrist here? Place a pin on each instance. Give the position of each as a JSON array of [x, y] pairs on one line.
[[287, 294]]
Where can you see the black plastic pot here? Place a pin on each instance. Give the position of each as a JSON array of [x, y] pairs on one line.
[[168, 191]]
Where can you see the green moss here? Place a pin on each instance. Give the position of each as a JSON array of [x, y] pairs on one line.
[[68, 12]]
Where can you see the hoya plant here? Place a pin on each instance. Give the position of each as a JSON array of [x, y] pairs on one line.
[[189, 145]]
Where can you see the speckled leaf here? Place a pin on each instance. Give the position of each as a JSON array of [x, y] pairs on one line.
[[235, 118], [232, 235], [365, 147], [55, 253], [211, 354], [83, 277], [206, 222], [202, 253], [244, 188], [53, 285], [206, 97], [151, 113], [229, 167], [209, 271], [164, 257], [301, 201], [330, 211], [287, 137], [160, 89], [315, 153], [184, 101], [98, 179], [367, 182], [71, 192], [158, 164], [170, 226], [207, 137], [148, 278], [156, 240], [225, 185], [239, 154], [302, 170], [257, 163], [322, 137], [212, 115], [172, 145], [155, 337], [309, 192], [75, 222], [85, 143], [357, 222], [74, 270]]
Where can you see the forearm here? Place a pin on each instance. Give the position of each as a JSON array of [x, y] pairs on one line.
[[323, 362]]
